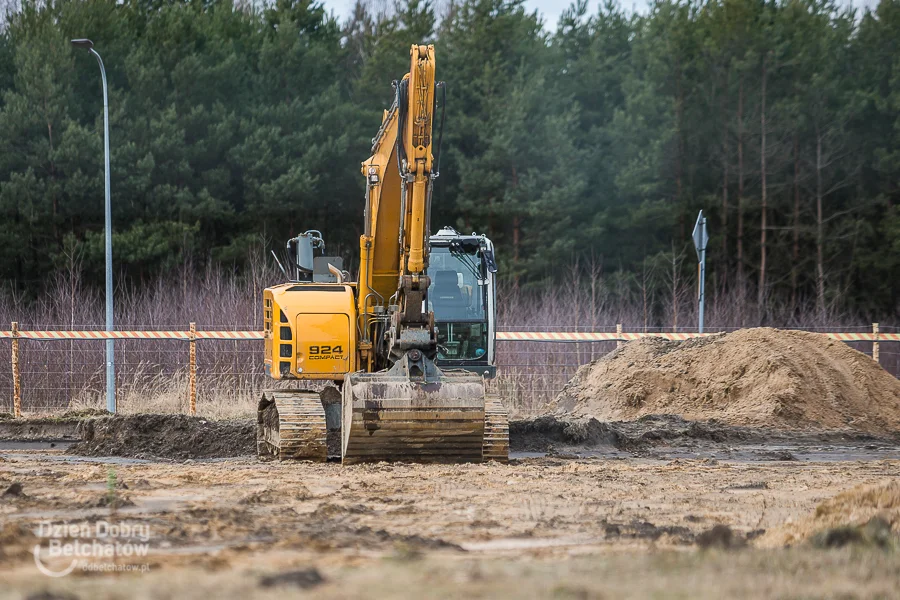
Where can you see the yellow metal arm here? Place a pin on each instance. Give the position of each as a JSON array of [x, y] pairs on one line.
[[398, 187], [417, 145]]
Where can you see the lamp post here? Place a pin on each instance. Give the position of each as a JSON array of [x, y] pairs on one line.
[[110, 353]]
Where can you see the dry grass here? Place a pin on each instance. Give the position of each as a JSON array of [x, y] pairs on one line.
[[151, 374], [146, 391], [852, 508]]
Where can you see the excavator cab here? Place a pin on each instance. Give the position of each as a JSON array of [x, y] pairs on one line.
[[462, 296]]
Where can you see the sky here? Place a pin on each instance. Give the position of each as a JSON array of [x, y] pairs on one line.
[[551, 9]]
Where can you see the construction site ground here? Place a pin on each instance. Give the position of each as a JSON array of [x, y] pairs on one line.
[[603, 522], [757, 464]]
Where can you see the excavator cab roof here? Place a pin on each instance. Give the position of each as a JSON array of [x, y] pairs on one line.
[[448, 237]]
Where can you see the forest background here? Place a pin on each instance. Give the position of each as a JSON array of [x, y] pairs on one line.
[[584, 152]]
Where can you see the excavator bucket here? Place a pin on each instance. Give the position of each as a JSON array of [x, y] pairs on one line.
[[392, 417]]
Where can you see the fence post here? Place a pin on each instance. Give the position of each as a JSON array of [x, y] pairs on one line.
[[192, 369], [17, 383], [619, 335], [875, 349]]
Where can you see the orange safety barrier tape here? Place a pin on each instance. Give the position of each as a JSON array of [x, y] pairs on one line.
[[503, 336], [154, 335]]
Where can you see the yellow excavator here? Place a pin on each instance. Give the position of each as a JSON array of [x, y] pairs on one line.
[[408, 346]]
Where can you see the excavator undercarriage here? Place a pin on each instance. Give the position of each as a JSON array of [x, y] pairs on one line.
[[386, 419]]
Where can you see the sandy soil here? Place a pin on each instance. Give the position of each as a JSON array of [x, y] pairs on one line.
[[621, 527]]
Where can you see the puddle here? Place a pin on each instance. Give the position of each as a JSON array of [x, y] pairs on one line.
[[607, 452], [147, 504], [34, 445], [748, 453], [195, 549], [780, 453], [504, 544], [66, 458]]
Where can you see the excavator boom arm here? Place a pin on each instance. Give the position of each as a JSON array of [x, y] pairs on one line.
[[417, 136], [394, 246]]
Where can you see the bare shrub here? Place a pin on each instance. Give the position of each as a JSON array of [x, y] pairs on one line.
[[152, 375]]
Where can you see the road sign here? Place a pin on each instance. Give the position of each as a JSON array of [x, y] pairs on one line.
[[700, 235], [701, 238]]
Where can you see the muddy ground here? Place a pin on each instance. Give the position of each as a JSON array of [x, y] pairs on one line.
[[182, 437], [614, 511], [164, 436]]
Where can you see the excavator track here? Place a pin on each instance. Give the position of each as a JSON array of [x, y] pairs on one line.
[[290, 425], [496, 430]]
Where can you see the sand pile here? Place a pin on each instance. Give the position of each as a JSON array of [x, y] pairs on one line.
[[857, 509], [752, 377]]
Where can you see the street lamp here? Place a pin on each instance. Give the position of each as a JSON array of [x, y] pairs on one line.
[[110, 353]]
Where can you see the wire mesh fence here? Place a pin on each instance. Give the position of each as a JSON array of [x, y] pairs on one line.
[[531, 374], [153, 375]]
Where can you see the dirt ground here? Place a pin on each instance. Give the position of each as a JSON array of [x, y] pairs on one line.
[[761, 464], [607, 526], [167, 436]]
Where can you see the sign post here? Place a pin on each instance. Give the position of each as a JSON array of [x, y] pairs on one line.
[[701, 237]]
